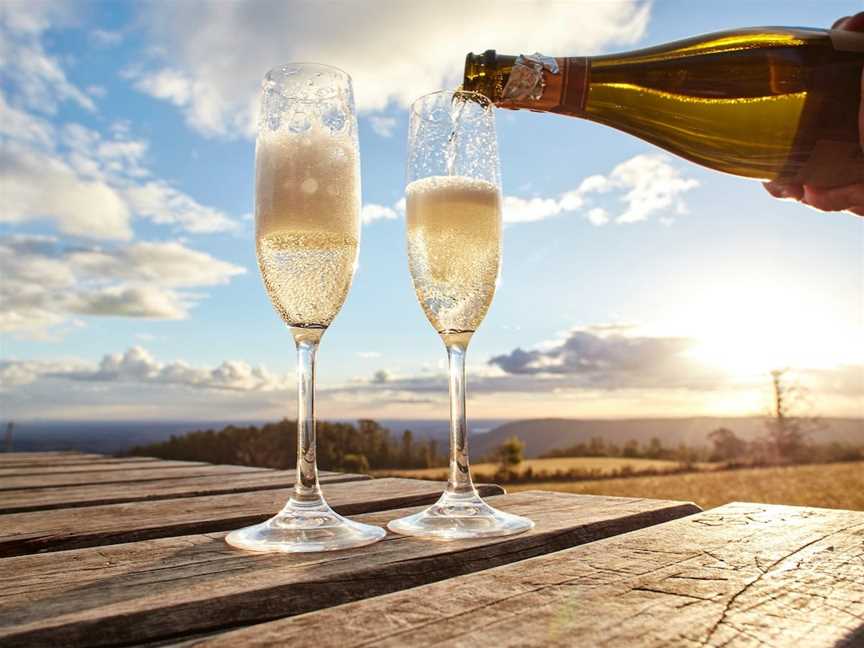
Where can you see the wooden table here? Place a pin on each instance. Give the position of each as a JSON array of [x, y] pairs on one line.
[[106, 552]]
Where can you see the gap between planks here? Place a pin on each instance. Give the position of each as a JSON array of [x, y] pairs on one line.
[[77, 496], [121, 476], [100, 466], [61, 529]]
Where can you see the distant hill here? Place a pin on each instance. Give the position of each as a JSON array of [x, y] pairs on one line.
[[106, 437], [111, 437], [542, 435]]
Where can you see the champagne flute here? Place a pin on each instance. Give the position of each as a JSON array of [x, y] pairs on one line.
[[453, 206], [307, 230]]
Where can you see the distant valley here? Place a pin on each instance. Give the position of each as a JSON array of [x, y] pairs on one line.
[[539, 435], [543, 435]]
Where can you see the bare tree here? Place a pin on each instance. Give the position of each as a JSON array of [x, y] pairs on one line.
[[788, 428]]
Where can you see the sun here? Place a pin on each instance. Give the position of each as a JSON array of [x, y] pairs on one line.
[[749, 329]]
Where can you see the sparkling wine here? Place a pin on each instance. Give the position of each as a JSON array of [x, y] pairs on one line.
[[308, 223], [454, 249], [307, 274]]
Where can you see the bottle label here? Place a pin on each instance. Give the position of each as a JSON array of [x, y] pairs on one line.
[[575, 77]]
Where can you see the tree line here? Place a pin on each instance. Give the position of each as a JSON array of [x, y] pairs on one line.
[[369, 446], [341, 446], [789, 438], [632, 449]]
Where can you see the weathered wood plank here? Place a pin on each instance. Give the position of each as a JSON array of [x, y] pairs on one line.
[[159, 589], [120, 476], [100, 466], [56, 530], [739, 575], [42, 457], [94, 462], [39, 499]]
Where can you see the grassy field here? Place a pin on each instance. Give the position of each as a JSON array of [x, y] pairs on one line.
[[602, 465], [839, 485]]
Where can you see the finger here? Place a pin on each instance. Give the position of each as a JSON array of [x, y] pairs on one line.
[[850, 197], [861, 114], [853, 23], [840, 22], [784, 191]]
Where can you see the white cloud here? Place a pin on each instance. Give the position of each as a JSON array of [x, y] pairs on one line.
[[46, 283], [372, 212], [138, 366], [106, 38], [88, 185], [130, 301], [164, 204], [41, 82], [598, 216], [383, 126], [37, 186], [22, 125], [168, 84], [648, 185], [116, 159], [28, 18], [366, 355], [15, 373], [610, 359], [609, 364], [85, 183], [394, 53], [95, 90], [527, 210], [652, 185]]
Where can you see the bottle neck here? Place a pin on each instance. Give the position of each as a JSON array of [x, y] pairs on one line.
[[564, 91], [570, 89]]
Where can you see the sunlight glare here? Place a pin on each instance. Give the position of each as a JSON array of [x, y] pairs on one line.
[[747, 329]]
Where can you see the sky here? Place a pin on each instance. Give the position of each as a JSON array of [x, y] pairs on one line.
[[634, 283]]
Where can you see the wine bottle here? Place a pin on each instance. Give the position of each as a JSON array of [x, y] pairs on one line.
[[773, 103]]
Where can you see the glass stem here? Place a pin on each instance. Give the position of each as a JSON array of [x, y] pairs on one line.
[[459, 482], [306, 487]]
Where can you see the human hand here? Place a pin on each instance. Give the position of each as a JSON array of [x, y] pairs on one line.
[[848, 197]]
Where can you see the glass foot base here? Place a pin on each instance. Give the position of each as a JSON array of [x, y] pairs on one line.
[[303, 527], [456, 517]]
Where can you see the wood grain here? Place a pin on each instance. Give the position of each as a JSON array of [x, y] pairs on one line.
[[38, 499], [101, 466], [739, 575], [56, 530], [161, 589], [120, 476]]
